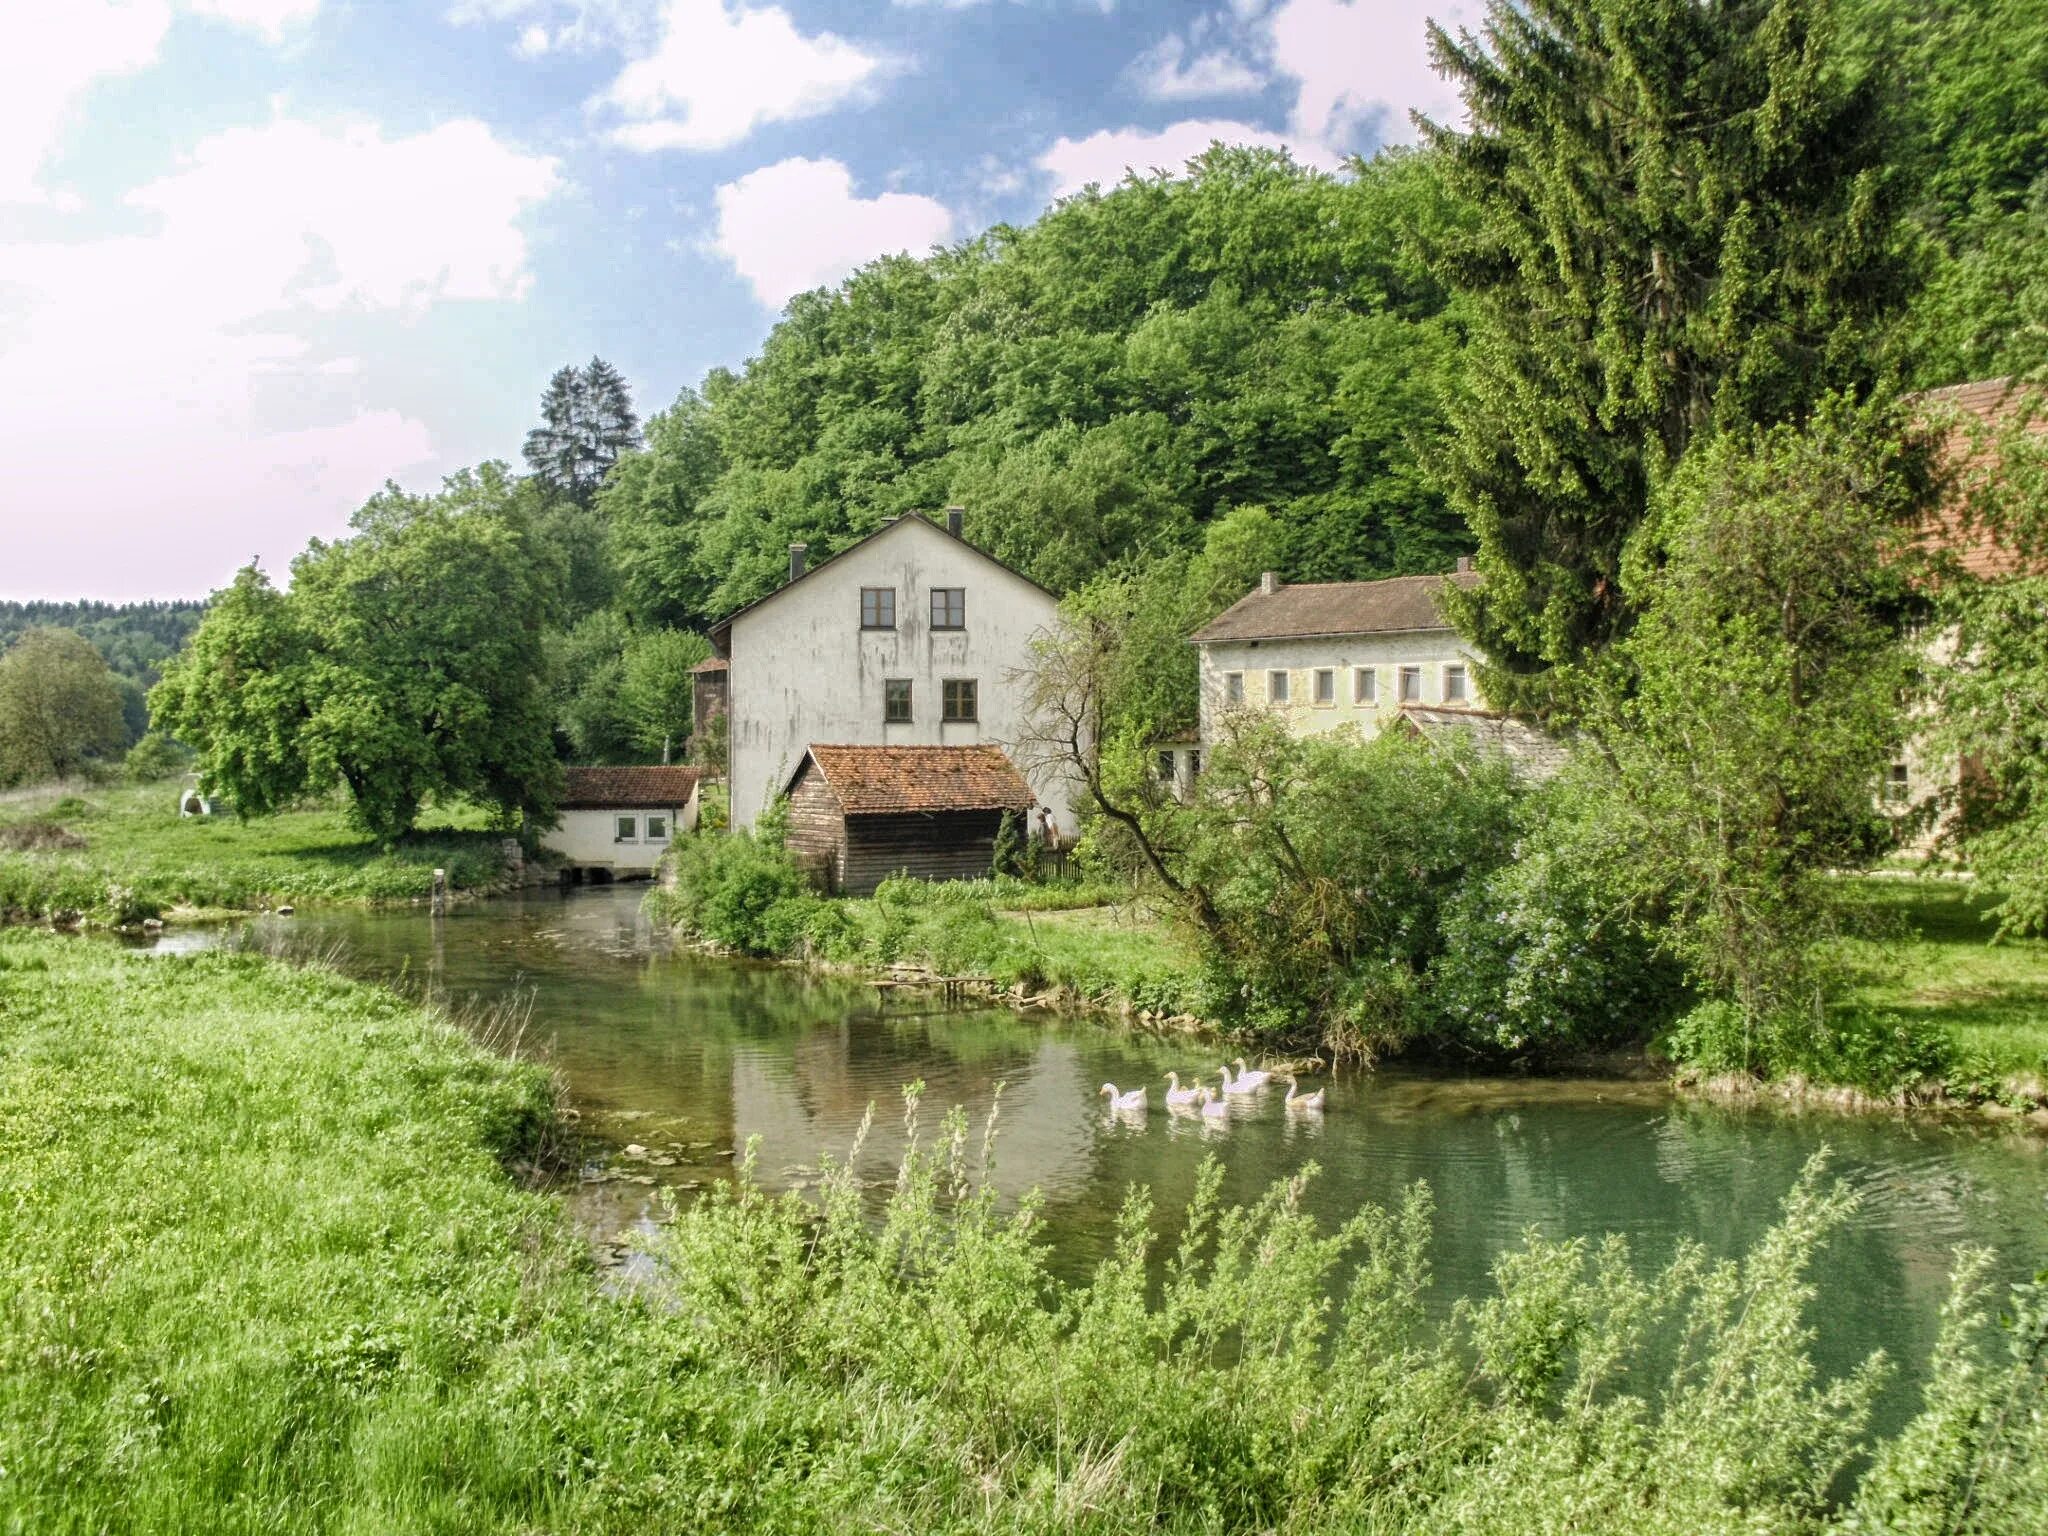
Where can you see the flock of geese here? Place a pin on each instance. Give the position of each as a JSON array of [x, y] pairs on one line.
[[1198, 1098]]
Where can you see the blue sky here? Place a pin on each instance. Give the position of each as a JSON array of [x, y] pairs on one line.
[[256, 256]]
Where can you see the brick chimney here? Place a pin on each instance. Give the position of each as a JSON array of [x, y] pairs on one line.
[[1464, 563], [796, 560], [955, 517], [1269, 583]]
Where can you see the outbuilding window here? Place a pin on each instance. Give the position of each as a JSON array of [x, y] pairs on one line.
[[628, 830], [957, 701], [657, 829], [949, 607], [896, 701], [1898, 784], [1326, 685], [1276, 687], [1456, 688], [877, 607], [1411, 685], [1365, 685]]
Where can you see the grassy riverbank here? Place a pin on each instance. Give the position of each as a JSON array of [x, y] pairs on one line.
[[121, 853], [266, 1271], [1937, 968]]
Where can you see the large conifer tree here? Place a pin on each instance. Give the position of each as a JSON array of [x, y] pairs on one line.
[[587, 424], [1684, 220]]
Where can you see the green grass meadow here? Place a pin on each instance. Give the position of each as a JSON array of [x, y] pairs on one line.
[[122, 853]]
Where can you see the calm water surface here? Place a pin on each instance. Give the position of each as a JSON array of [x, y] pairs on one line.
[[689, 1057]]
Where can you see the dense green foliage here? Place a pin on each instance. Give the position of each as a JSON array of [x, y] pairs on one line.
[[60, 711], [1768, 670], [135, 638], [264, 1274], [1685, 221], [119, 855], [405, 663]]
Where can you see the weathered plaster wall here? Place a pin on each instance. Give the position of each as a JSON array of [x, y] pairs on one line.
[[1386, 654], [587, 840], [804, 671]]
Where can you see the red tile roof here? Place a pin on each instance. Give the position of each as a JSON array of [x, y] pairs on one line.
[[876, 781], [712, 664], [654, 787], [1300, 610], [1976, 414]]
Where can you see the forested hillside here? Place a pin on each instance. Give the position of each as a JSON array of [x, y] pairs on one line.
[[1105, 381], [136, 638]]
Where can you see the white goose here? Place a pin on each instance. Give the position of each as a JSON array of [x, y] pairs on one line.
[[1304, 1103], [1247, 1081], [1214, 1108], [1135, 1099], [1239, 1084], [1177, 1095]]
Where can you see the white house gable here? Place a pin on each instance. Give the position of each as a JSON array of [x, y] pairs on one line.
[[911, 637]]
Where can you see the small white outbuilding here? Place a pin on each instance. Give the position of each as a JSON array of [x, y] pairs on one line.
[[618, 822]]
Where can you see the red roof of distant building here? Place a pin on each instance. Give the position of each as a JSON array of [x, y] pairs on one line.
[[875, 781], [656, 787], [1976, 415], [712, 664]]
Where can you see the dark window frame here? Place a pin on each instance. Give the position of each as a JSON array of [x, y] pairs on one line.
[[876, 600], [949, 694], [949, 607], [889, 684]]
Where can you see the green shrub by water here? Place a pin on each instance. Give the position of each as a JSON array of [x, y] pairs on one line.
[[262, 1270]]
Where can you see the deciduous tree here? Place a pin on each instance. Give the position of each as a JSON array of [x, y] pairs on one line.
[[60, 711]]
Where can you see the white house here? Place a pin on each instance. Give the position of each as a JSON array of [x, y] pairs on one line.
[[908, 637], [1326, 654], [619, 821]]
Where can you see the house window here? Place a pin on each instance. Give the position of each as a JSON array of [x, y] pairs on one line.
[[1194, 764], [657, 829], [1411, 685], [1326, 685], [1233, 687], [1276, 687], [628, 830], [877, 607], [949, 607], [1365, 685], [1898, 784], [896, 701], [1456, 689], [957, 700], [1166, 767]]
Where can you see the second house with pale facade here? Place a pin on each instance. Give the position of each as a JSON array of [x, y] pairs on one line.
[[1326, 654]]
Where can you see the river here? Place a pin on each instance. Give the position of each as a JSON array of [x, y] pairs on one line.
[[688, 1057]]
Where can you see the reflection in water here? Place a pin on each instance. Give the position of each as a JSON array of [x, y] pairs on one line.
[[687, 1059]]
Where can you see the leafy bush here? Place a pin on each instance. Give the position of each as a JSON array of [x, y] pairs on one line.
[[727, 888], [1547, 950]]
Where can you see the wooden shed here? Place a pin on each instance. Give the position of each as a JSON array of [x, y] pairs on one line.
[[860, 814]]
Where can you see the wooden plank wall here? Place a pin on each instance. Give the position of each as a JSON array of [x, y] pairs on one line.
[[817, 831], [939, 845]]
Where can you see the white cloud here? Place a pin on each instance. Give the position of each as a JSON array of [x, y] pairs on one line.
[[172, 406], [797, 225], [270, 17], [52, 57], [1363, 64], [1166, 72], [719, 71], [56, 51], [533, 42], [1104, 157]]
